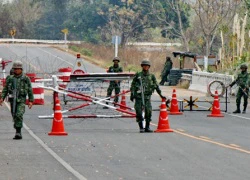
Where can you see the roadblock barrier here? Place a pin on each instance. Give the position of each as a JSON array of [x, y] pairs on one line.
[[201, 80], [37, 90], [64, 75]]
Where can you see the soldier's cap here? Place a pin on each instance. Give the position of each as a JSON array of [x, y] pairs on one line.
[[17, 65], [243, 66], [116, 59], [145, 62]]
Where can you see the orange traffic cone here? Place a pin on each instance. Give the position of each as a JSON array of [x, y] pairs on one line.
[[163, 125], [58, 126], [123, 101], [174, 108], [216, 107]]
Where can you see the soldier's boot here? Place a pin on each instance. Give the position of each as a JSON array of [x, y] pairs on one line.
[[105, 107], [161, 83], [116, 100], [147, 128], [244, 110], [18, 134], [141, 127], [237, 110]]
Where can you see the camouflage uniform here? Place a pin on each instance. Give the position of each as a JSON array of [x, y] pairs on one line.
[[23, 86], [18, 86], [166, 70], [114, 85], [149, 84], [243, 82]]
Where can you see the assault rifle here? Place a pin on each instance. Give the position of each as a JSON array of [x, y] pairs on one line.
[[142, 97], [14, 97], [15, 93], [238, 84]]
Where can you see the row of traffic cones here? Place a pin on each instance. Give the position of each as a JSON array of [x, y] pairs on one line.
[[163, 123]]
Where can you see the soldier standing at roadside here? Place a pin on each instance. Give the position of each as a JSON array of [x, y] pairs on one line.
[[114, 85], [18, 86], [142, 87], [243, 82], [166, 70]]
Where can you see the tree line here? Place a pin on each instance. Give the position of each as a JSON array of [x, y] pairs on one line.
[[200, 25]]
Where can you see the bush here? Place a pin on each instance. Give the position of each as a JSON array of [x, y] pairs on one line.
[[130, 56], [86, 52]]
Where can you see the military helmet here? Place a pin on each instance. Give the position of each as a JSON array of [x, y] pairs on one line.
[[17, 65], [116, 59], [145, 62], [243, 66]]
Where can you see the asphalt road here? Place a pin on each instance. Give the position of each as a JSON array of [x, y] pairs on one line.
[[200, 148]]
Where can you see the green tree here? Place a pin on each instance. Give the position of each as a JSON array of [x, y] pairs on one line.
[[84, 22], [6, 21], [130, 19], [211, 15], [176, 20], [18, 15], [50, 24]]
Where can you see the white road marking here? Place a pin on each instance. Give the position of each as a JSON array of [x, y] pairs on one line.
[[58, 158]]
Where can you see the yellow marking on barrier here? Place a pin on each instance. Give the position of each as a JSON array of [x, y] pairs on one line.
[[186, 106], [196, 106]]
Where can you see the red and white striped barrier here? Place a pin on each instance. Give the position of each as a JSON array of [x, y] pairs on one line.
[[37, 91], [64, 75]]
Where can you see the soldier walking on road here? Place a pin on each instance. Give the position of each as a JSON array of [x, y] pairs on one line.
[[142, 87], [243, 82], [166, 70], [18, 86], [114, 85]]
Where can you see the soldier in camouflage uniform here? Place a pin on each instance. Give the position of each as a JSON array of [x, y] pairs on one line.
[[18, 86], [114, 85], [243, 82], [166, 70], [142, 87]]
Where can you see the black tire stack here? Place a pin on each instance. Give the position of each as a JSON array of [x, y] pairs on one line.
[[175, 75]]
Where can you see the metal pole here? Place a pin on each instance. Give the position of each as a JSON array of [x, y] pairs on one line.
[[65, 38], [116, 46], [226, 100]]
